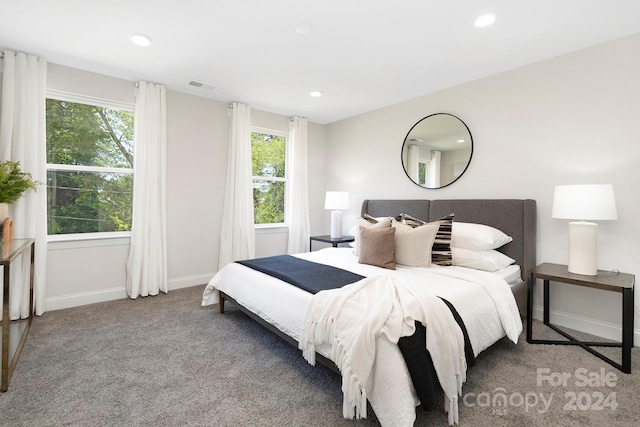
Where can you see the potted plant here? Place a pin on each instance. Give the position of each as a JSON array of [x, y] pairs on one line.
[[13, 183]]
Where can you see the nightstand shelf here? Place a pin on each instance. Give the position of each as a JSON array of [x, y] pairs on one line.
[[604, 280], [335, 241]]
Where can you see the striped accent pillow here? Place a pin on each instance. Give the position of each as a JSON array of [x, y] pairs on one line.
[[441, 249], [370, 218], [409, 220]]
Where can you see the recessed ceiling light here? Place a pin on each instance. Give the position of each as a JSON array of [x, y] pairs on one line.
[[315, 93], [140, 40], [304, 29], [485, 20]]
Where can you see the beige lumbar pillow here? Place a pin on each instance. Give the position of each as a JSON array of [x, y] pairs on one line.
[[413, 245]]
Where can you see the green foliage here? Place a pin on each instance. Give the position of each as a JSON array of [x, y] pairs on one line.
[[268, 155], [80, 134], [86, 135], [422, 173], [13, 182], [268, 202], [268, 163]]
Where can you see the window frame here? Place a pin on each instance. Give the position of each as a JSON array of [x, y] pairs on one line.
[[285, 135], [99, 102]]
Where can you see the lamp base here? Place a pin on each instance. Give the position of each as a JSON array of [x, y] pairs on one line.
[[583, 248], [336, 224]]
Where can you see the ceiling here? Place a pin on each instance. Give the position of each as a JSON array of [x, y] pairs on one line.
[[362, 54]]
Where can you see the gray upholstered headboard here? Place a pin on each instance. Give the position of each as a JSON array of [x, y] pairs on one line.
[[517, 218]]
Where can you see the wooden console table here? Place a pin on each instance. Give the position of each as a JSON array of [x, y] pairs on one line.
[[14, 332]]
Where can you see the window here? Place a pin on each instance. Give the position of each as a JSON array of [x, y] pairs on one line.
[[268, 154], [89, 166], [422, 173]]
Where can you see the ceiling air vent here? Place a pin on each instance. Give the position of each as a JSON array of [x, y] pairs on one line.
[[201, 85]]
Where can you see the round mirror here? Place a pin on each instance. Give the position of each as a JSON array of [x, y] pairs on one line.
[[437, 150]]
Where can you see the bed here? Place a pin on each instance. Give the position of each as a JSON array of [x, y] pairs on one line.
[[284, 308]]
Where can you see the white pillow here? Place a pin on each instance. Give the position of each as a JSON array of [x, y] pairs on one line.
[[490, 260], [413, 245], [361, 222], [477, 236]]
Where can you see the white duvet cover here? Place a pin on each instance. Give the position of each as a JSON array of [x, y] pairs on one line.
[[483, 300]]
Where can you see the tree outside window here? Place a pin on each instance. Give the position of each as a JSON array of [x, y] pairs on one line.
[[268, 152], [422, 173], [89, 168]]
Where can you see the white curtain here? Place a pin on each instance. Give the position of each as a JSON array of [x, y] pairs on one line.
[[147, 262], [413, 158], [433, 170], [22, 139], [237, 237], [298, 218]]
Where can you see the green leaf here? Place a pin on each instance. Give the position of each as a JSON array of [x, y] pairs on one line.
[[14, 182]]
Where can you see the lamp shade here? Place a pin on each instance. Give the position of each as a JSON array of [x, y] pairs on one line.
[[584, 202], [336, 200]]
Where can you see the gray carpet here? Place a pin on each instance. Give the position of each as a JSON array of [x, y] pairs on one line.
[[166, 361]]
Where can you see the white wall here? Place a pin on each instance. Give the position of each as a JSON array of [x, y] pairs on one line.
[[198, 135], [571, 119], [198, 128]]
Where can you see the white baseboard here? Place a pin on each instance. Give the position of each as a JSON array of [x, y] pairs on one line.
[[598, 328], [84, 298], [188, 281]]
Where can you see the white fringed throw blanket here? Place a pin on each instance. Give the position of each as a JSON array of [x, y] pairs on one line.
[[353, 317]]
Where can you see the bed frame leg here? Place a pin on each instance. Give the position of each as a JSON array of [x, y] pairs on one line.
[[221, 296]]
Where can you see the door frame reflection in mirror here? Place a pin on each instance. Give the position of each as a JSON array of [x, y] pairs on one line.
[[440, 141]]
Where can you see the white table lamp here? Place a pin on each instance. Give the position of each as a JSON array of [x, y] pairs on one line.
[[336, 201], [584, 202]]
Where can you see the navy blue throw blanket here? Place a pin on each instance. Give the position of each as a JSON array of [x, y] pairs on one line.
[[314, 277], [307, 275]]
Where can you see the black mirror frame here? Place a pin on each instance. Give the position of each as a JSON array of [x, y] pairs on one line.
[[405, 141]]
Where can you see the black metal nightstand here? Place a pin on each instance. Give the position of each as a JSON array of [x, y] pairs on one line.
[[328, 239], [604, 280]]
